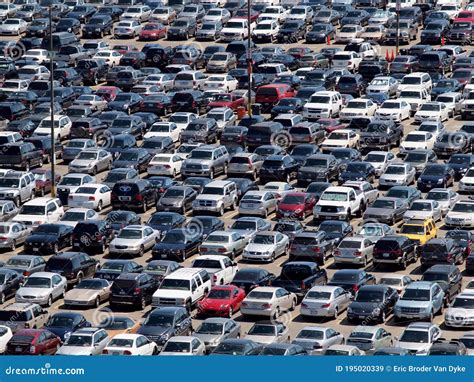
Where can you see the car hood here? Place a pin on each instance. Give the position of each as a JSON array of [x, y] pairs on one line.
[[82, 162], [362, 307], [259, 247], [60, 332], [207, 338], [9, 189], [379, 211], [429, 178], [25, 291], [413, 304], [414, 346], [209, 197], [81, 295], [128, 242], [213, 303], [124, 163], [74, 350], [32, 238]]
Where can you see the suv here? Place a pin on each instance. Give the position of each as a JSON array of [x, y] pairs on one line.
[[394, 249], [133, 289], [318, 167], [184, 287], [163, 323], [25, 315], [417, 338], [438, 61], [419, 231], [206, 160], [74, 266], [441, 251], [192, 101], [98, 26], [448, 277], [421, 300], [217, 196], [312, 246], [92, 236], [200, 130], [138, 194], [381, 135], [23, 155], [323, 104], [17, 186], [92, 70]]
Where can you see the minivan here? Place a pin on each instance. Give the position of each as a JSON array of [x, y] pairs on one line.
[[60, 39], [263, 133]]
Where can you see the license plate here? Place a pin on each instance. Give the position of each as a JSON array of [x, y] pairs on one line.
[[18, 349], [125, 198], [166, 209], [361, 317], [386, 255], [164, 256], [308, 179], [314, 311], [122, 292], [35, 249]]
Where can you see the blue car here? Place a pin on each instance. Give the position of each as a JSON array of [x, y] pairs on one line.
[[178, 244], [435, 175], [64, 323]]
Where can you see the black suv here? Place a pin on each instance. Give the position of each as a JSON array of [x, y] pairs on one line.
[[133, 289], [22, 155], [437, 61], [87, 127], [92, 236], [318, 167], [74, 266], [13, 110], [189, 101], [443, 347], [43, 144], [182, 28], [381, 135], [394, 249], [279, 168], [449, 279], [441, 251], [92, 71], [98, 26], [139, 194], [158, 56], [353, 84], [372, 303], [292, 31], [163, 323]]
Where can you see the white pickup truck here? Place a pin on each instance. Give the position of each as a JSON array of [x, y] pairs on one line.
[[340, 203], [369, 192], [221, 269]]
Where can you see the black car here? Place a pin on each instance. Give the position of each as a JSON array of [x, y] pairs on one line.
[[336, 230], [69, 24], [111, 269], [319, 33], [136, 158], [48, 239], [394, 249], [448, 277], [63, 324], [158, 56], [118, 143], [302, 151], [357, 171], [139, 194], [238, 346], [92, 236], [291, 31], [435, 175], [372, 303], [163, 323], [82, 12], [13, 111], [288, 60], [250, 278], [177, 244], [300, 276], [67, 76], [43, 144], [317, 188], [189, 101], [441, 251], [10, 282], [351, 279], [234, 135], [287, 105], [99, 25], [318, 167], [159, 104], [460, 163], [113, 11], [447, 348], [196, 182], [74, 266], [134, 59], [164, 221], [39, 27], [127, 102], [278, 168], [437, 61], [119, 219], [357, 17], [92, 71], [134, 289], [316, 80], [381, 135], [161, 183], [353, 84], [182, 28]]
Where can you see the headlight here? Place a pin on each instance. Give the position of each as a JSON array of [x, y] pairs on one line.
[[317, 208], [165, 337], [67, 335], [11, 194], [349, 310], [377, 311], [340, 209]]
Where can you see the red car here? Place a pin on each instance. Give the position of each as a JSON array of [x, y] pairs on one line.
[[269, 95], [152, 32], [296, 205], [108, 93], [125, 48], [33, 342], [298, 52], [331, 124], [227, 100], [243, 14], [465, 16], [222, 301], [43, 182]]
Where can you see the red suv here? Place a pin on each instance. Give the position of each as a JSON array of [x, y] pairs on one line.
[[269, 95]]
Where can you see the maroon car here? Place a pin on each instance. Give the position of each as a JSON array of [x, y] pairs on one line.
[[43, 179], [33, 342], [331, 124], [296, 205]]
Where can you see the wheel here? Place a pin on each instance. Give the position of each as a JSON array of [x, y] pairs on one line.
[[97, 302], [272, 258], [2, 298], [42, 192], [50, 301], [80, 276], [231, 312], [336, 313], [211, 173], [17, 201], [293, 305], [99, 206], [56, 248], [94, 170], [221, 210], [143, 303], [288, 178], [277, 313], [13, 246], [383, 317], [141, 251], [404, 262], [365, 262], [233, 255]]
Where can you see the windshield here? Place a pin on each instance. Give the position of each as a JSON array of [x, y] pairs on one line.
[[37, 282], [263, 239], [334, 196], [414, 336], [175, 284], [78, 340], [416, 295]]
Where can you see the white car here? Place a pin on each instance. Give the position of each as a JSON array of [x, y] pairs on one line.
[[235, 29], [40, 211], [182, 119], [33, 72], [141, 13], [275, 11], [417, 338], [416, 140], [111, 57], [395, 110], [432, 111], [359, 107], [61, 128], [95, 102], [42, 288], [316, 339], [224, 117], [348, 32], [422, 209], [134, 240], [130, 344], [266, 246], [395, 281], [461, 215], [436, 128], [383, 84], [75, 215], [279, 189], [415, 98], [183, 345], [85, 341], [466, 183], [94, 196], [165, 164], [127, 28], [164, 129], [342, 138], [221, 81], [214, 15], [345, 350], [460, 314], [268, 301], [452, 9], [5, 335], [325, 301], [163, 80], [446, 198], [15, 85], [13, 27], [266, 30], [380, 160], [346, 60], [38, 55], [398, 174]]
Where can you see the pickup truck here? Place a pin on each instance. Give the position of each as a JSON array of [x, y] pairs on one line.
[[230, 100], [299, 277], [369, 193], [467, 106], [339, 203], [71, 54], [221, 269], [23, 155], [381, 135]]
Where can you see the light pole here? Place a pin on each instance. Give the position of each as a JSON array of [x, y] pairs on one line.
[[249, 62], [51, 81], [398, 26]]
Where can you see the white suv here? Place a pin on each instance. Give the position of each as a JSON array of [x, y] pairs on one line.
[[184, 287], [416, 80], [17, 186], [40, 211], [216, 197], [323, 104]]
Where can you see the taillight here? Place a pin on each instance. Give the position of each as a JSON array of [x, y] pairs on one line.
[[214, 278], [355, 287], [266, 306], [91, 198], [127, 352], [203, 249], [337, 253], [325, 305], [3, 238], [357, 253], [32, 349], [26, 273], [303, 305], [316, 249], [139, 197], [468, 249], [137, 291], [222, 250], [105, 351]]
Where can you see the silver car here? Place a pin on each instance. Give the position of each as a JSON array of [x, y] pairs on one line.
[[374, 231], [8, 210], [422, 209], [266, 246], [268, 332], [26, 264], [354, 250], [316, 339], [248, 227], [446, 198], [325, 301], [380, 160], [13, 234], [42, 288], [398, 174], [134, 240], [261, 203], [370, 338], [224, 243], [85, 341], [245, 164], [91, 161], [214, 330]]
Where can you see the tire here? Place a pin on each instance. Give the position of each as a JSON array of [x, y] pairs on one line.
[[13, 246], [272, 258], [99, 206], [2, 298], [383, 317], [189, 306], [231, 312], [211, 173], [404, 262], [143, 303], [50, 301], [94, 170], [80, 276], [42, 192], [141, 251], [56, 248], [336, 313], [97, 302], [293, 306], [222, 210], [17, 201]]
